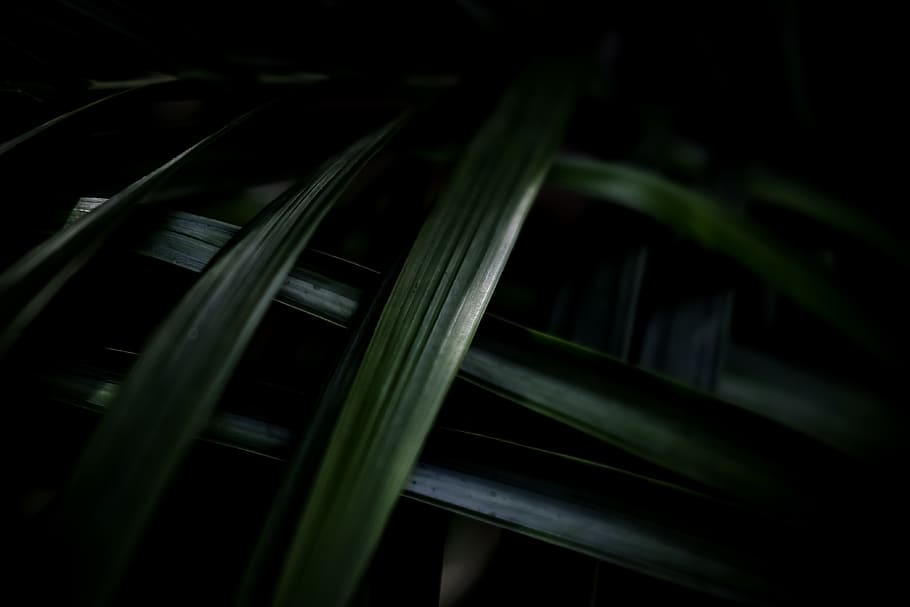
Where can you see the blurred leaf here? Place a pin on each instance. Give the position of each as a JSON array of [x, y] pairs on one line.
[[103, 85], [170, 393], [795, 197], [70, 116], [852, 419], [717, 228], [421, 337], [29, 284]]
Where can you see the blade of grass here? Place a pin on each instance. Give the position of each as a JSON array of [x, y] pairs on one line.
[[420, 339], [169, 395], [716, 228], [29, 284]]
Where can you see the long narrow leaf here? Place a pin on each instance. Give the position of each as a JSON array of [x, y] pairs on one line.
[[29, 284], [625, 532], [520, 364], [830, 212], [169, 395], [612, 536], [847, 417], [716, 228], [63, 118], [259, 579], [680, 429], [191, 241], [421, 338]]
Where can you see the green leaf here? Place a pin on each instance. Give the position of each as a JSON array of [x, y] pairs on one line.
[[28, 285], [853, 419], [421, 337], [191, 241], [717, 228], [607, 398], [662, 421], [169, 395], [619, 536], [830, 212], [70, 116], [626, 529], [260, 577]]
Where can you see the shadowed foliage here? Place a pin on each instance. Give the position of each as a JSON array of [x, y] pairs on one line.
[[534, 305]]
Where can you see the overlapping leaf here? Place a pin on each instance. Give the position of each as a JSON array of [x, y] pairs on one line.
[[680, 429], [614, 536], [62, 119], [624, 530], [259, 580], [29, 284], [716, 228], [421, 338], [169, 395], [191, 241], [626, 407]]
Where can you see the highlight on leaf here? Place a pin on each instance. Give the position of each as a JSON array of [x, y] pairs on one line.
[[434, 307]]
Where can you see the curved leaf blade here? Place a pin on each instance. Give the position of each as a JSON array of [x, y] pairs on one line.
[[827, 211], [169, 395], [667, 423], [29, 284], [421, 337], [511, 360], [716, 228], [260, 577], [651, 539], [632, 542], [79, 112]]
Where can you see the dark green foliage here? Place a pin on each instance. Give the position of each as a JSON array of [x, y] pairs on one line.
[[421, 337], [189, 360], [556, 296], [28, 285]]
